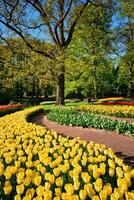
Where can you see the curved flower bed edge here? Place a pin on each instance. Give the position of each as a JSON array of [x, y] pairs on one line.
[[39, 164]]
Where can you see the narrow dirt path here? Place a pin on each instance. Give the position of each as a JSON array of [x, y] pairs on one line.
[[123, 146]]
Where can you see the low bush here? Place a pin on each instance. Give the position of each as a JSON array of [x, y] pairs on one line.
[[39, 164], [75, 118]]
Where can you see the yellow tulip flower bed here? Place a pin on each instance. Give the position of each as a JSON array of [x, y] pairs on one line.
[[109, 110], [39, 164]]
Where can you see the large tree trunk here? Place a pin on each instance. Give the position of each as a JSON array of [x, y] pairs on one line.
[[60, 77], [60, 89]]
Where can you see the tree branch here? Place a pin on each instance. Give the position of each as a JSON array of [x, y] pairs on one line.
[[37, 5], [25, 40], [60, 21], [74, 23], [8, 44]]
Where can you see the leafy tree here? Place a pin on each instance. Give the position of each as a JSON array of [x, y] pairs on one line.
[[89, 49], [29, 72], [125, 36], [57, 19]]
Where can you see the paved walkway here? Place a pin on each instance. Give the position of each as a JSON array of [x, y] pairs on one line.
[[123, 146]]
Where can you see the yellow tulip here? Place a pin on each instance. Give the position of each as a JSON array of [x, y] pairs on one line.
[[8, 175], [58, 192], [43, 170], [119, 172], [65, 196], [82, 194], [8, 159], [17, 197], [40, 190], [76, 185], [47, 186], [111, 172], [20, 177], [96, 173], [113, 197], [103, 195], [30, 192], [56, 171], [13, 170], [95, 197], [69, 189], [27, 198], [108, 188], [111, 163], [56, 198], [37, 180], [20, 189], [27, 181], [47, 195], [89, 189], [98, 184], [7, 188], [129, 196], [65, 168], [85, 176], [1, 169]]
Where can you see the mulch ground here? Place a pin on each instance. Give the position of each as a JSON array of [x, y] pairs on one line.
[[123, 146]]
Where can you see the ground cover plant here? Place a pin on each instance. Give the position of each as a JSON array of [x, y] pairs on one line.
[[112, 110], [7, 109], [40, 164], [71, 116]]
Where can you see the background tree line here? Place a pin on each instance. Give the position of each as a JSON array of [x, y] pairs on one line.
[[91, 53]]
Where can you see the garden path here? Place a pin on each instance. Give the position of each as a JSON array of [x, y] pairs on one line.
[[122, 145]]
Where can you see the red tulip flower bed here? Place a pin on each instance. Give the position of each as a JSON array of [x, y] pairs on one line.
[[127, 103], [115, 101], [7, 109]]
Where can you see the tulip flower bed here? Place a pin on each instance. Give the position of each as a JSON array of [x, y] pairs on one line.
[[66, 116], [112, 110], [115, 101], [39, 164], [7, 109], [123, 103]]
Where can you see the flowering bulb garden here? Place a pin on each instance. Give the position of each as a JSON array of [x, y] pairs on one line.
[[38, 164], [7, 109], [113, 110]]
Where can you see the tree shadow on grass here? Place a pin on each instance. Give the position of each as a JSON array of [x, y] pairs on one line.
[[129, 160]]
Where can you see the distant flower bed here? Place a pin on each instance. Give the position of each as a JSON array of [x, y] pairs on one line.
[[7, 109], [127, 103], [110, 99], [39, 164], [112, 110], [115, 101]]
